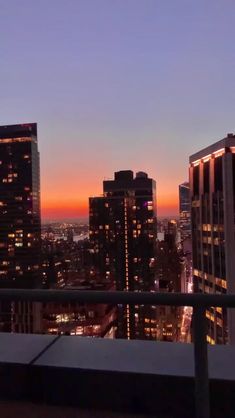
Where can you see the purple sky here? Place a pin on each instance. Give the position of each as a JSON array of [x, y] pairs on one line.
[[138, 84]]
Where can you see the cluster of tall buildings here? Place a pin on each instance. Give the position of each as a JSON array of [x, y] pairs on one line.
[[123, 237]]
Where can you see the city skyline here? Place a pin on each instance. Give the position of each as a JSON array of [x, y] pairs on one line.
[[128, 85]]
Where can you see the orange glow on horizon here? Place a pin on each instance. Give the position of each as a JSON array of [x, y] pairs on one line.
[[79, 208]]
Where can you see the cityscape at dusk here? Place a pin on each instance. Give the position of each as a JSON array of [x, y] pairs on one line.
[[116, 85], [117, 209]]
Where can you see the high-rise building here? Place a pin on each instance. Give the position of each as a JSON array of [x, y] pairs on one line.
[[185, 211], [20, 223], [123, 231], [212, 189], [168, 273]]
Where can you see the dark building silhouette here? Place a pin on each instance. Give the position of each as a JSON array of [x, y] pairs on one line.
[[20, 224], [171, 234], [123, 232], [168, 275]]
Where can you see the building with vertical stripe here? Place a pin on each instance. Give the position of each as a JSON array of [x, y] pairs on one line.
[[123, 232], [212, 194]]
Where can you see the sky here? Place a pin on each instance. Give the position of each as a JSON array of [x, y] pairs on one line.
[[117, 84]]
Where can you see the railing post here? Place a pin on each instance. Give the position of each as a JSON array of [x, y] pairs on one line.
[[202, 394]]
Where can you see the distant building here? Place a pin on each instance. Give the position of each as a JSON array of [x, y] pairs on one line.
[[168, 276], [20, 222], [186, 236], [171, 234], [70, 235], [185, 211], [123, 232], [88, 320], [212, 189]]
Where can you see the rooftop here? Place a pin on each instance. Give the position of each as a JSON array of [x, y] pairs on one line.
[[228, 141]]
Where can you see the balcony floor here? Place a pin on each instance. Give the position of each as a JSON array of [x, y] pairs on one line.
[[29, 410]]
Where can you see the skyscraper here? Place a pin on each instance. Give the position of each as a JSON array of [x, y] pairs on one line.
[[20, 223], [185, 208], [168, 270], [123, 231], [212, 189]]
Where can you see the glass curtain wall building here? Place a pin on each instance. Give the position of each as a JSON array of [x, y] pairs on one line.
[[185, 211]]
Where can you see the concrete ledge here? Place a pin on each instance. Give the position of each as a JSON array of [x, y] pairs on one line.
[[140, 377], [22, 348]]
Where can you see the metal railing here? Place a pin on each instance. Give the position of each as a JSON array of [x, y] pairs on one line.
[[199, 303]]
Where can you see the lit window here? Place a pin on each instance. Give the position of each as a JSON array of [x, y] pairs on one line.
[[12, 140], [224, 284]]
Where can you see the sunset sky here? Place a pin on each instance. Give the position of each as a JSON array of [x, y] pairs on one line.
[[127, 84]]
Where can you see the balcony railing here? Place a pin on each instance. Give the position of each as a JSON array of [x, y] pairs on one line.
[[199, 303]]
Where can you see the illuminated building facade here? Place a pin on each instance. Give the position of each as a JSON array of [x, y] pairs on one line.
[[20, 224], [88, 320], [123, 232], [212, 189], [185, 211]]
